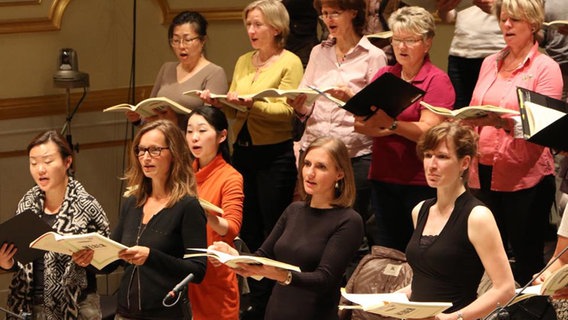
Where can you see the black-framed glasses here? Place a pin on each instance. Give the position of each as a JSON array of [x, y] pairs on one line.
[[154, 151], [175, 42]]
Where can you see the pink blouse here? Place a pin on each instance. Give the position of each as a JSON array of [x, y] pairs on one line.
[[517, 164]]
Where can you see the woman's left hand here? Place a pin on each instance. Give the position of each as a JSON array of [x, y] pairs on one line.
[[136, 255], [492, 119], [561, 294], [342, 93], [249, 270], [83, 257], [375, 126]]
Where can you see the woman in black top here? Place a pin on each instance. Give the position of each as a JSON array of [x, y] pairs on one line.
[[456, 238], [159, 220], [320, 235]]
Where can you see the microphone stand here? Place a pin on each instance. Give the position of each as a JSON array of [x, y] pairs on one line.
[[24, 316], [503, 314]]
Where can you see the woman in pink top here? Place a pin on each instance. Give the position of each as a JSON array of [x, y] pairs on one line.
[[217, 296], [347, 63], [515, 177], [396, 173]]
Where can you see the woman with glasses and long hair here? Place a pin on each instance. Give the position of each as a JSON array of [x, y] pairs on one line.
[[396, 173], [347, 63], [217, 297], [187, 35], [158, 221], [261, 136], [64, 204]]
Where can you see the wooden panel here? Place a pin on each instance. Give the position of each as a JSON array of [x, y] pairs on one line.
[[16, 108]]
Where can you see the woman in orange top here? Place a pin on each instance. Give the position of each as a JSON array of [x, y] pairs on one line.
[[217, 297]]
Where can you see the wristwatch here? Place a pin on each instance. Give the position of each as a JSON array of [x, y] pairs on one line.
[[288, 279], [394, 125]]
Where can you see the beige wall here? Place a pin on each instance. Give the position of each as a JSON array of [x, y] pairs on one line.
[[100, 32]]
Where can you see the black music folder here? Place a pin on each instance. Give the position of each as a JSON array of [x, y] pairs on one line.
[[544, 119], [21, 230], [388, 92]]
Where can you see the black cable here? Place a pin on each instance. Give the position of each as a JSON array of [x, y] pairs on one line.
[[129, 132]]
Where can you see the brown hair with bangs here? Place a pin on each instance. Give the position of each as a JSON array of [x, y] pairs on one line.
[[463, 138]]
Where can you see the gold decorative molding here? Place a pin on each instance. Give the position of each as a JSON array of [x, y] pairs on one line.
[[14, 3], [17, 108], [211, 14], [50, 23]]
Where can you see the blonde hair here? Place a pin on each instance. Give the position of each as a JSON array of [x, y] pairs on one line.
[[181, 179], [413, 19], [531, 11], [275, 15], [345, 192]]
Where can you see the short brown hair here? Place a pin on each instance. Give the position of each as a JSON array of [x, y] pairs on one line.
[[463, 138], [360, 20], [345, 193], [181, 180]]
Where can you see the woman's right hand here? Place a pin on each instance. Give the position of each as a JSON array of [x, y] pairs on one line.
[[133, 117], [205, 95], [298, 103], [222, 247], [7, 252], [83, 257]]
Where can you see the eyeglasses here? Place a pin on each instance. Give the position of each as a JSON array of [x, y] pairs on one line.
[[154, 151], [183, 41], [406, 42], [333, 15]]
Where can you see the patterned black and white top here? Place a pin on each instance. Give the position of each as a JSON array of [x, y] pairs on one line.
[[63, 279]]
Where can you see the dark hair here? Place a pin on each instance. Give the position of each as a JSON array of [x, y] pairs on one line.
[[360, 6], [62, 146], [181, 179], [195, 19], [463, 138], [345, 193], [217, 119]]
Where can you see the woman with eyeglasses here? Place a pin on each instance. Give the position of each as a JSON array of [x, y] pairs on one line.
[[396, 173], [261, 136], [514, 177], [158, 221], [187, 35], [346, 63], [63, 203]]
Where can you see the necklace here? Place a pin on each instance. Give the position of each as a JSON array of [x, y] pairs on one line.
[[509, 69], [261, 64], [405, 77]]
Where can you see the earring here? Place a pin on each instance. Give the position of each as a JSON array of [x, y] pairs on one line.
[[336, 185]]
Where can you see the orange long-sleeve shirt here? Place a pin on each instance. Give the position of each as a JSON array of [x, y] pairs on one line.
[[217, 296]]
